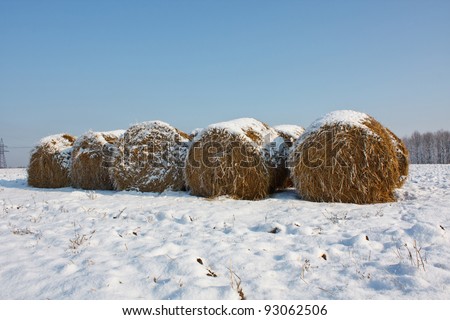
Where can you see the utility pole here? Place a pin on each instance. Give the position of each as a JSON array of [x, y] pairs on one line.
[[2, 155]]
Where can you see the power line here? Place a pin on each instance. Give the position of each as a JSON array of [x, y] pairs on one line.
[[20, 147], [2, 154]]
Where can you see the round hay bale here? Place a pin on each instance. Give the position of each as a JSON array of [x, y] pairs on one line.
[[290, 133], [237, 158], [91, 160], [150, 158], [402, 154], [50, 162], [346, 156]]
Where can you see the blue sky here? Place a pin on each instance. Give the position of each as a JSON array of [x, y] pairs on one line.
[[71, 66]]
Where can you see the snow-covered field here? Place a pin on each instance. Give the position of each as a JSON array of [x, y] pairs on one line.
[[74, 244]]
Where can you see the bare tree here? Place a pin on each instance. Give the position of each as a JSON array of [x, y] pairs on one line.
[[429, 147]]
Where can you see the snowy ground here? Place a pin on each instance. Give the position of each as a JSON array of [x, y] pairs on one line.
[[73, 244]]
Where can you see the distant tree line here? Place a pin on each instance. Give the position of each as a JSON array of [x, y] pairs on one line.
[[430, 147]]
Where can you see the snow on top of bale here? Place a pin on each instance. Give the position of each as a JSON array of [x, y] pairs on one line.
[[60, 144], [342, 117], [195, 132], [98, 136], [57, 142], [339, 118], [142, 131], [290, 129], [115, 134], [118, 133], [249, 128]]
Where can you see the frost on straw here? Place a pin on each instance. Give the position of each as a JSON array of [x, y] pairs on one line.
[[150, 158]]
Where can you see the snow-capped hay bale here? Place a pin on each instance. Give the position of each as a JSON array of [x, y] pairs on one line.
[[195, 133], [402, 157], [234, 158], [150, 158], [346, 156], [91, 160], [290, 133], [50, 162]]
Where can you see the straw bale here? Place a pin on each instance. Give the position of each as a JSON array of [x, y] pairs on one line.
[[346, 156], [150, 158], [49, 165], [402, 154], [91, 160], [238, 158]]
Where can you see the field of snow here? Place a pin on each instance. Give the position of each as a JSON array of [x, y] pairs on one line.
[[75, 244]]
